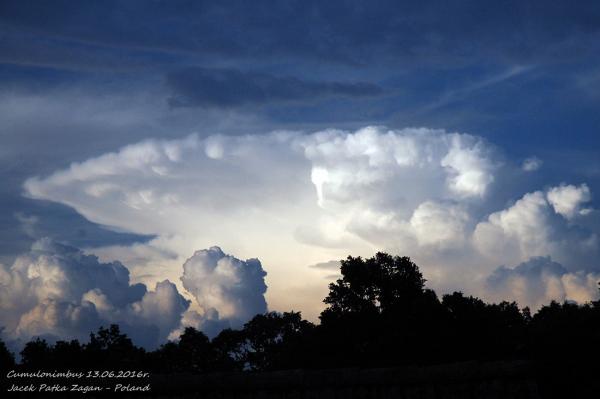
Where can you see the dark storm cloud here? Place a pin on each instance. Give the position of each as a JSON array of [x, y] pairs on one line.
[[24, 221], [233, 88]]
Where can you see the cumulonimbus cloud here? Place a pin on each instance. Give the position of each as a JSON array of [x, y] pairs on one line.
[[298, 199], [380, 176]]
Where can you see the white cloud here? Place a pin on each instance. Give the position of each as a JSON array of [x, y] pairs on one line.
[[533, 226], [459, 165], [567, 199], [164, 307], [396, 189], [519, 232], [531, 164], [224, 284], [154, 186], [470, 166], [540, 280], [436, 224], [59, 292]]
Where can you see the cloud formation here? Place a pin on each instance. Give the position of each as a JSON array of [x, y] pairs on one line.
[[374, 155], [539, 224], [225, 287], [373, 185], [531, 164], [399, 188], [540, 280], [567, 200], [297, 199], [58, 292]]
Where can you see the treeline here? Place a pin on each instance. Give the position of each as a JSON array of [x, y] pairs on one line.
[[379, 314]]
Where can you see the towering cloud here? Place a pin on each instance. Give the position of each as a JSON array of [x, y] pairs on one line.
[[57, 291], [221, 283], [398, 189], [459, 165]]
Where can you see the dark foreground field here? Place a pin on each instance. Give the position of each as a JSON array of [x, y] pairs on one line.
[[464, 380]]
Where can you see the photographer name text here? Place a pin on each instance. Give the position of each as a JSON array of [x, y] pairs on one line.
[[87, 381]]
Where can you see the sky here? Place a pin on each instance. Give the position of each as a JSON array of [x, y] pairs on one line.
[[186, 163]]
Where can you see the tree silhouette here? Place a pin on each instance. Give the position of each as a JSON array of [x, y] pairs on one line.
[[477, 330], [274, 340], [196, 353], [166, 359], [375, 285], [68, 354], [565, 339], [7, 359], [229, 349], [110, 347], [379, 313], [36, 354]]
